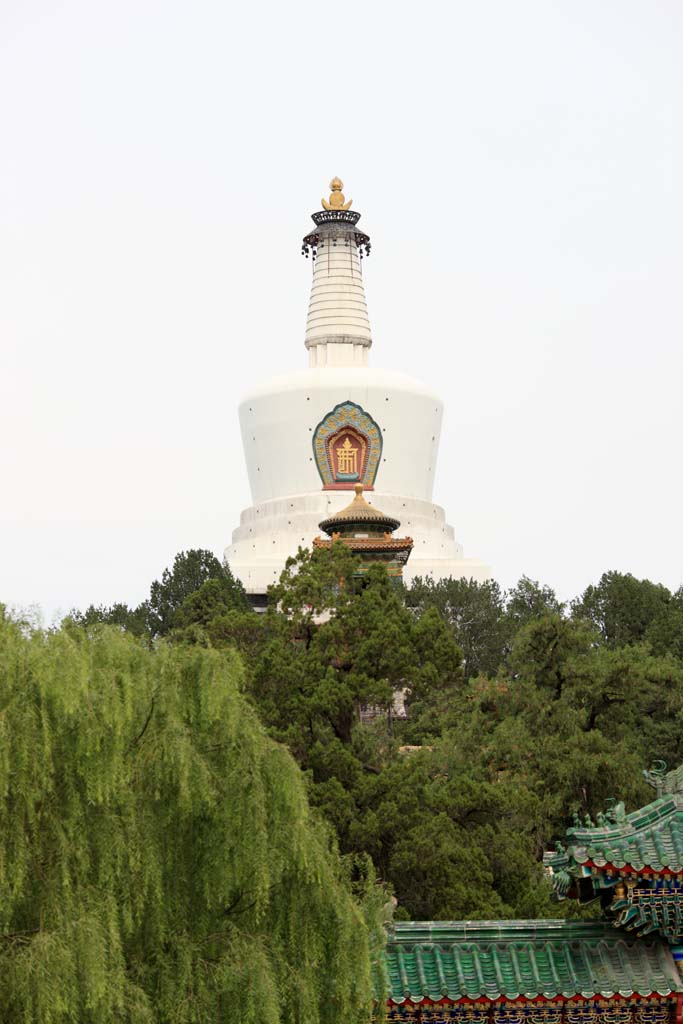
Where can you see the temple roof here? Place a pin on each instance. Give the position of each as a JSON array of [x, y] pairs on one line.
[[360, 512], [649, 838], [454, 960]]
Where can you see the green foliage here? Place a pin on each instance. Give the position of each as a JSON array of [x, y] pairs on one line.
[[456, 803], [190, 571], [313, 675], [189, 595], [664, 632], [132, 620], [452, 846], [519, 714], [449, 845], [528, 600], [436, 678], [622, 607], [247, 632], [475, 611], [573, 722], [158, 857], [483, 618], [216, 597]]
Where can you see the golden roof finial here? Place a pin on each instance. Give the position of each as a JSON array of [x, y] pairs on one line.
[[337, 197], [358, 488]]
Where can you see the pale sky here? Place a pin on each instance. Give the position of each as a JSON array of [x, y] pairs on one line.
[[519, 167]]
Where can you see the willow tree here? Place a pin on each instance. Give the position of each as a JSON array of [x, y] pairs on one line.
[[158, 858]]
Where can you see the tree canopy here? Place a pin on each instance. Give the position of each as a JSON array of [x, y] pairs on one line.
[[195, 589], [158, 857], [449, 730]]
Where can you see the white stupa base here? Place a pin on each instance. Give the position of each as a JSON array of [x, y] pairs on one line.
[[273, 530]]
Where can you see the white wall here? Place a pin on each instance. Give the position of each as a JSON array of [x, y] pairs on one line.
[[278, 421]]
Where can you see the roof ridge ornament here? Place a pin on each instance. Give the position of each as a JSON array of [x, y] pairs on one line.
[[337, 197], [656, 776]]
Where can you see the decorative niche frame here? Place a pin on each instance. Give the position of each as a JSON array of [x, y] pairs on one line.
[[347, 447]]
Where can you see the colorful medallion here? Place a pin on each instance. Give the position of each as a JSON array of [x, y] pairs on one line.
[[347, 446]]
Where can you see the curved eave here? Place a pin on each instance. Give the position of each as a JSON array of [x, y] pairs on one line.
[[436, 999], [632, 867], [337, 524]]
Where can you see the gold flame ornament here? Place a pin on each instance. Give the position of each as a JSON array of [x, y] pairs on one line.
[[336, 197]]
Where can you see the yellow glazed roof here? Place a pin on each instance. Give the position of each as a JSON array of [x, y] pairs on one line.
[[359, 511]]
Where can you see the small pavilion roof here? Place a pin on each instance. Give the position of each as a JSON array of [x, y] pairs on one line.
[[489, 960], [361, 513]]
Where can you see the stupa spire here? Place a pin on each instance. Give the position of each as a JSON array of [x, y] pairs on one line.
[[338, 327]]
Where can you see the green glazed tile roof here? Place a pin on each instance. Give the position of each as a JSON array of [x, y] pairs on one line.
[[523, 959], [649, 838]]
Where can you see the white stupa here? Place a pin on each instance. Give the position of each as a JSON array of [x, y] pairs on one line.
[[309, 436]]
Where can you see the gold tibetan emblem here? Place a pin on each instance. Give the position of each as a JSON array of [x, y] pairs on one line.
[[336, 197], [347, 457]]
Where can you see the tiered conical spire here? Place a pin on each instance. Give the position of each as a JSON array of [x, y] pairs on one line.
[[338, 328]]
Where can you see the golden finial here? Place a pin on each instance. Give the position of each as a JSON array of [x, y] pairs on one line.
[[336, 197], [358, 488]]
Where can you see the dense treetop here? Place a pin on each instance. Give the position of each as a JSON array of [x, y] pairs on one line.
[[520, 713], [158, 614]]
